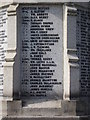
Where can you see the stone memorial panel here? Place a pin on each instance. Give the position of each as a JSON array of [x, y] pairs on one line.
[[41, 51], [3, 44], [83, 46]]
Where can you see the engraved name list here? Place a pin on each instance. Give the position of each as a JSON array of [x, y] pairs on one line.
[[41, 51]]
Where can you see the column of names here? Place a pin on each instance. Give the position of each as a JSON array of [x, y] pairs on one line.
[[3, 44], [40, 74]]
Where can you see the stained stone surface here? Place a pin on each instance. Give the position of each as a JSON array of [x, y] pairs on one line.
[[41, 51]]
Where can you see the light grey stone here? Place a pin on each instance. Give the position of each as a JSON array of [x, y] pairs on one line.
[[53, 53]]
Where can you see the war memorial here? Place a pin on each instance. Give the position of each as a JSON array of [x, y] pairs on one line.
[[44, 60]]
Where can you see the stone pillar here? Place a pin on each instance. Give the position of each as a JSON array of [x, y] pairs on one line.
[[71, 67], [10, 79], [72, 52], [66, 81]]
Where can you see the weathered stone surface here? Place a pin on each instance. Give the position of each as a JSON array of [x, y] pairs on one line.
[[48, 118]]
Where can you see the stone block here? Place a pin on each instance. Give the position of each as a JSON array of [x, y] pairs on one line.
[[14, 107], [68, 108], [82, 107]]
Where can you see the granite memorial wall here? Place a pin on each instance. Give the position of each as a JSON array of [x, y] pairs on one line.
[[44, 60]]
